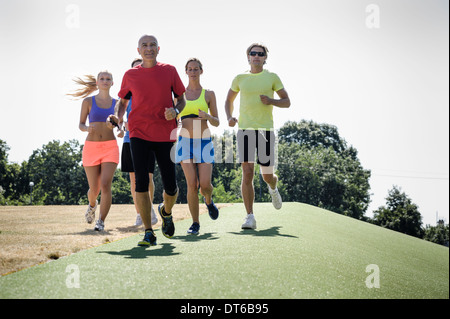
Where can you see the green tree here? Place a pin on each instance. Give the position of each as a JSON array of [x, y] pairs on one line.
[[311, 135], [57, 173], [4, 148], [438, 234], [317, 167], [399, 214], [6, 176], [227, 173], [13, 186], [120, 188]]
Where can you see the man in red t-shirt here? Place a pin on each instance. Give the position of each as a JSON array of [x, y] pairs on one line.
[[152, 125]]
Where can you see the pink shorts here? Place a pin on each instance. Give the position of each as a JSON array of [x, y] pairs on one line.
[[95, 153]]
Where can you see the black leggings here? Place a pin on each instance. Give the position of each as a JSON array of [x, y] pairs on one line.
[[141, 152]]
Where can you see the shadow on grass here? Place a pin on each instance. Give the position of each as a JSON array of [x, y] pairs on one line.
[[130, 229], [90, 232], [194, 238], [270, 232], [160, 250]]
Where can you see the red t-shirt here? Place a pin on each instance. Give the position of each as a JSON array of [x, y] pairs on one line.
[[151, 89]]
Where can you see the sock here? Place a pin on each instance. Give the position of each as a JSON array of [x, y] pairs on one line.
[[164, 213]]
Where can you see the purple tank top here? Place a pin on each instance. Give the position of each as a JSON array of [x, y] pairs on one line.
[[98, 114]]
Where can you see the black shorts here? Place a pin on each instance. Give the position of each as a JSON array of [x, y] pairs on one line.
[[127, 162], [261, 142], [142, 151]]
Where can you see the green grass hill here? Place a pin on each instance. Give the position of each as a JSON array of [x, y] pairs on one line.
[[298, 252]]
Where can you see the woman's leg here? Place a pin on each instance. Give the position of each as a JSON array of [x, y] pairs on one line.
[[205, 174], [106, 177], [190, 172], [93, 177]]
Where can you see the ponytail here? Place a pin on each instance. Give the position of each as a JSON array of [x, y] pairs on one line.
[[88, 85]]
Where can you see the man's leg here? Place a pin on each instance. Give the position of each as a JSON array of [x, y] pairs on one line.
[[166, 166], [151, 187], [167, 169], [141, 154], [266, 159], [246, 143], [271, 180], [169, 202], [247, 189], [268, 176], [144, 206]]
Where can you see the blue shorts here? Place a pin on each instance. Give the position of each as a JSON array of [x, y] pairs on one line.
[[198, 149]]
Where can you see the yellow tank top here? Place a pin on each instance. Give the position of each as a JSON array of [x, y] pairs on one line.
[[191, 108]]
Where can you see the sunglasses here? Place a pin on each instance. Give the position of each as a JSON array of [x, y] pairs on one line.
[[253, 53]]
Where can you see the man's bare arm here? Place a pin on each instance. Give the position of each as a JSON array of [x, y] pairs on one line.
[[229, 107], [283, 102]]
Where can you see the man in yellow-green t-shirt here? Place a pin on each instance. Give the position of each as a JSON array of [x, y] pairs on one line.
[[256, 133]]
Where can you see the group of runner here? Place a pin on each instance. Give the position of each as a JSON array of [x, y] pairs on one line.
[[155, 99]]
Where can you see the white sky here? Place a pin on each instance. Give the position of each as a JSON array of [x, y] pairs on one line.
[[386, 88]]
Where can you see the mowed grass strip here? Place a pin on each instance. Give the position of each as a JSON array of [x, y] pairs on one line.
[[298, 252]]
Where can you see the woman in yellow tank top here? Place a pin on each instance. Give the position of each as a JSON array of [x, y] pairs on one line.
[[195, 150]]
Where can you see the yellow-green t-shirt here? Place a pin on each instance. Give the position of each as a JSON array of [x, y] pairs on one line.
[[253, 114]]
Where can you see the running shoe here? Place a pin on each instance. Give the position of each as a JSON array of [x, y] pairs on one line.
[[276, 198], [149, 239], [168, 228], [212, 209], [138, 221], [249, 222], [154, 218], [90, 213], [194, 229], [99, 225]]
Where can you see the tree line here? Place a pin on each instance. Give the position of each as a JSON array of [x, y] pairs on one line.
[[314, 164]]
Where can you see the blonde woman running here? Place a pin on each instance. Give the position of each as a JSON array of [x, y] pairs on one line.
[[195, 148], [100, 151]]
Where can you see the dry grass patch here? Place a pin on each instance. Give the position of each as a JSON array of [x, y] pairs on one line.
[[30, 235]]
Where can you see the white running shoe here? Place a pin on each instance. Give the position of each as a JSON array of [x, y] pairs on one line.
[[249, 222], [138, 221], [154, 218], [276, 197], [100, 225], [90, 213]]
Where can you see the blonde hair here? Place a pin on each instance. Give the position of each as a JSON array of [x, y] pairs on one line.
[[88, 85]]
